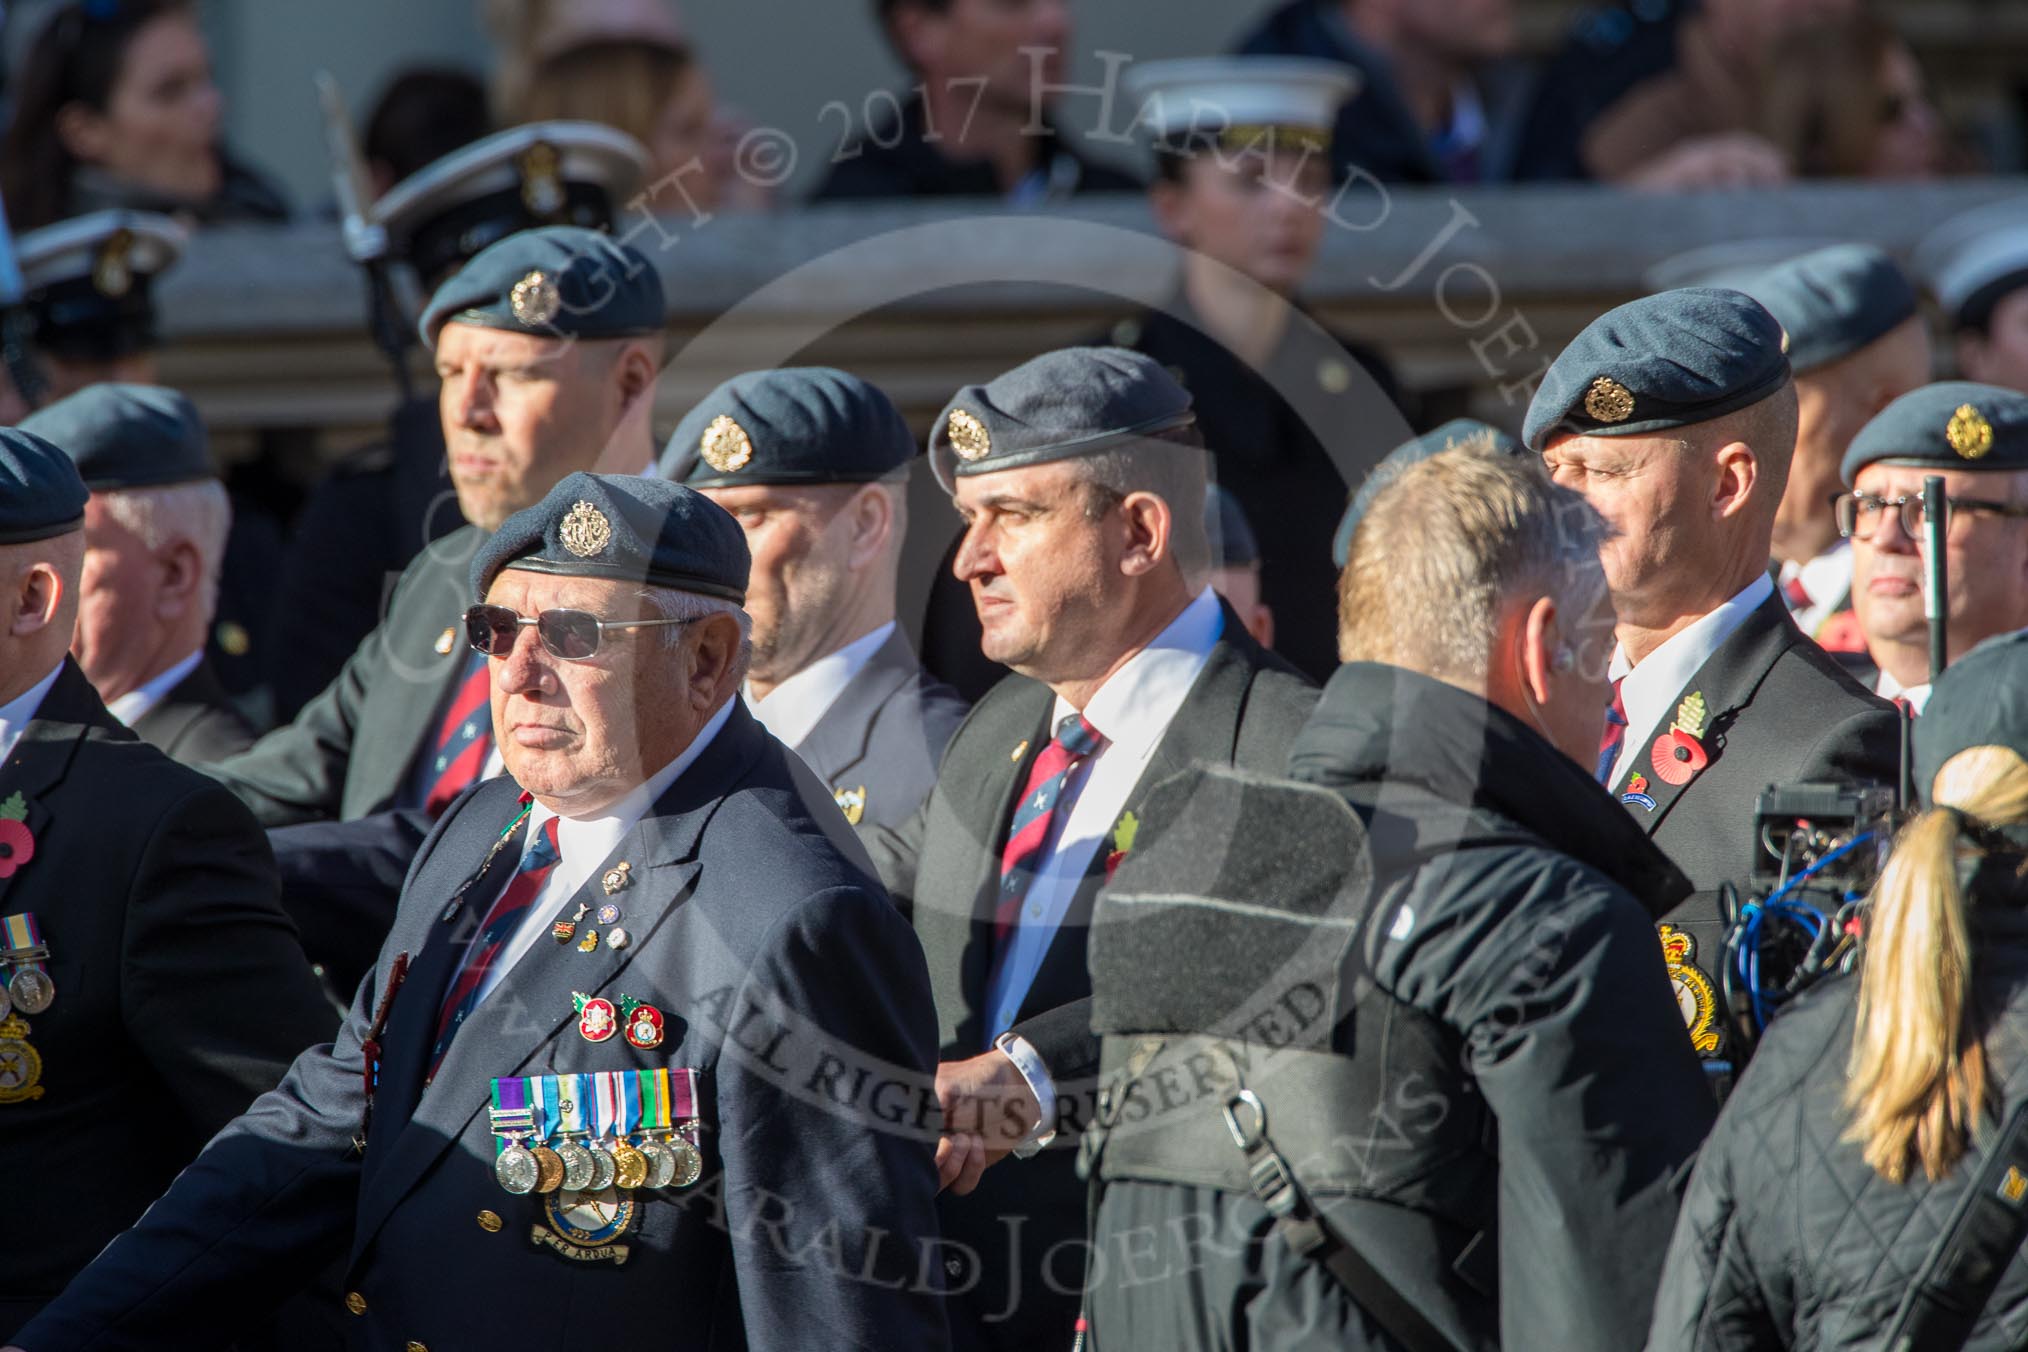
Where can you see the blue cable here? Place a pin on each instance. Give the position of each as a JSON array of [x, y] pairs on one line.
[[1754, 913]]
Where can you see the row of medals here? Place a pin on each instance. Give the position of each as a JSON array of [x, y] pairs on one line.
[[28, 987], [672, 1162]]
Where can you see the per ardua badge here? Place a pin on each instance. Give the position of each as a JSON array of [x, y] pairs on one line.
[[1678, 755]]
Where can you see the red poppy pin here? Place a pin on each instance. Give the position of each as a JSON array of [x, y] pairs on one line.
[[17, 842], [1123, 841], [1678, 754]]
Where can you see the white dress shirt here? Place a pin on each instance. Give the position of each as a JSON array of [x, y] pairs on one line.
[[582, 844], [17, 713], [1888, 688], [1827, 579], [133, 706], [793, 709], [1649, 692]]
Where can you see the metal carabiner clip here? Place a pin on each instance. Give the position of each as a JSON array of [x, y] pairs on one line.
[[1247, 1139]]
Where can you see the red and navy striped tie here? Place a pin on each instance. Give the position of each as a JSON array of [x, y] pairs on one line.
[[1613, 738], [464, 740], [537, 863], [1075, 739]]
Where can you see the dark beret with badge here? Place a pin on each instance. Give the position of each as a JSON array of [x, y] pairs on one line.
[[545, 173], [41, 495], [88, 282], [1076, 401], [1656, 364], [127, 436], [796, 425], [1832, 302], [1449, 437], [1980, 700], [560, 281], [1953, 424], [626, 529]]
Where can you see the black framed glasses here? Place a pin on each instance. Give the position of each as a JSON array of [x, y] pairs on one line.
[[573, 635], [1859, 514]]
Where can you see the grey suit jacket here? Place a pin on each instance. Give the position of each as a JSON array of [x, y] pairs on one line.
[[879, 743], [1779, 710], [785, 979], [351, 750], [196, 723]]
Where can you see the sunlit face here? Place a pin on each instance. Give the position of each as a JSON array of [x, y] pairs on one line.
[[1255, 212], [580, 735], [519, 413], [974, 39], [800, 542], [123, 608], [1985, 555], [159, 128], [2000, 356], [1042, 570], [1654, 495]]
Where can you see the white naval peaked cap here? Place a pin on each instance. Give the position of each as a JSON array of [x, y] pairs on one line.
[[1240, 94], [1976, 258]]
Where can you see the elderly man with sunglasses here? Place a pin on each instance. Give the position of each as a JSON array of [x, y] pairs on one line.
[[647, 1055], [547, 345], [1976, 438]]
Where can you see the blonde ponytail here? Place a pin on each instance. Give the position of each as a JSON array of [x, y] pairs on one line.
[[1918, 1068]]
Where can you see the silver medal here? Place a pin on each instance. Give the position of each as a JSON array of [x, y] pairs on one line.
[[577, 1165], [689, 1163], [6, 1002], [661, 1162], [602, 1169], [32, 990], [515, 1169]]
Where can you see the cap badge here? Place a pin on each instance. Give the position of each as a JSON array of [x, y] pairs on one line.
[[969, 437], [1695, 998], [541, 179], [852, 802], [112, 273], [725, 445], [1608, 401], [535, 299], [585, 531], [1969, 434]]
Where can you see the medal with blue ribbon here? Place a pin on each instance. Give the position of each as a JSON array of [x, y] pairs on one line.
[[29, 988], [561, 1115]]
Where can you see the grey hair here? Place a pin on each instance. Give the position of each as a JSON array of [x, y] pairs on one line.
[[1446, 543], [1174, 467], [670, 604], [198, 512]]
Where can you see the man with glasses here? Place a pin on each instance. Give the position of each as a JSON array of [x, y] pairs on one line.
[[1675, 416], [1976, 438], [610, 1041], [547, 347]]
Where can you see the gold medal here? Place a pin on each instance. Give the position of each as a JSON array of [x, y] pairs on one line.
[[548, 1168], [630, 1166]]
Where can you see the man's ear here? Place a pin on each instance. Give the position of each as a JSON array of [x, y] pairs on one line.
[[1738, 476], [1544, 654], [634, 375], [38, 595], [182, 565], [869, 518], [1147, 521], [714, 655]]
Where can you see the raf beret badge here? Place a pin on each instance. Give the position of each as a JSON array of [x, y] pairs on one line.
[[1969, 434], [969, 437], [1608, 401], [585, 531], [725, 446], [535, 299]]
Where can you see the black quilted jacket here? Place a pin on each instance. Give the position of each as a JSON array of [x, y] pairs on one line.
[[1787, 1239]]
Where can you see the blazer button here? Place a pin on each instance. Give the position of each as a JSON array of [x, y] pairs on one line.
[[489, 1221], [355, 1302], [415, 1347]]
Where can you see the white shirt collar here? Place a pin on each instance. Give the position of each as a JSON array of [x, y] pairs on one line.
[[17, 713], [1134, 707], [1649, 691], [1887, 687], [792, 710], [133, 706], [585, 841]]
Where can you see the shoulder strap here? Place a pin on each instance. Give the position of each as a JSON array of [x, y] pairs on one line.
[[1960, 1274]]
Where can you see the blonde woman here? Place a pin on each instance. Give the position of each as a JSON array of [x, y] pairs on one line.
[[1863, 1123]]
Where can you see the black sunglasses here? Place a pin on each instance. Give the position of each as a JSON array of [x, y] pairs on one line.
[[572, 635]]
